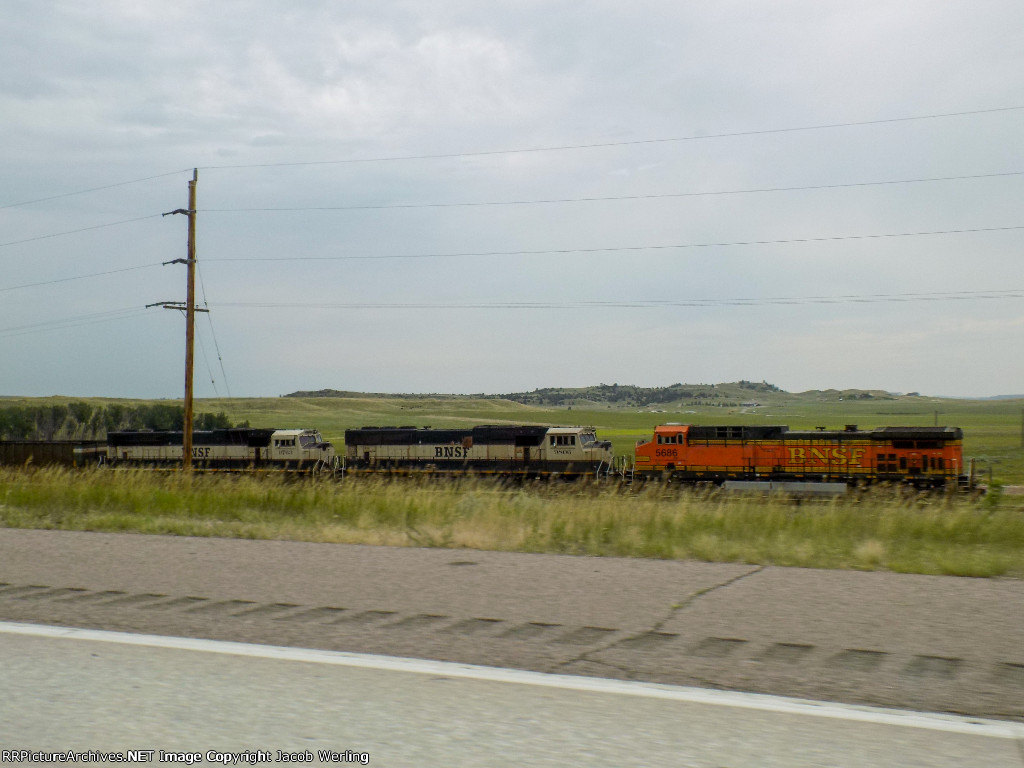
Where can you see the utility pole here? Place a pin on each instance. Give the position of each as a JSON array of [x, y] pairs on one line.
[[190, 310], [190, 323]]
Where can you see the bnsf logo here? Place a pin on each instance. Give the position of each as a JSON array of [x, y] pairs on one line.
[[831, 456], [201, 453], [451, 452]]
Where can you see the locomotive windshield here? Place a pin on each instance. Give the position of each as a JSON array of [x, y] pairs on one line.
[[586, 438], [309, 439]]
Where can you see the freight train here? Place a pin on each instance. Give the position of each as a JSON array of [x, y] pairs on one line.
[[925, 457], [43, 453], [754, 457]]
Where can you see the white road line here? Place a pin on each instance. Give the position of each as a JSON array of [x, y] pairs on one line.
[[999, 729]]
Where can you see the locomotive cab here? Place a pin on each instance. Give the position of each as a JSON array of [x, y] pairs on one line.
[[301, 447], [664, 451], [575, 446]]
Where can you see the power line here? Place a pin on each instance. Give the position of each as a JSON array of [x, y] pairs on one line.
[[482, 254], [119, 314], [209, 318], [74, 321], [599, 145], [1016, 293], [81, 229], [608, 198], [209, 370], [529, 202], [92, 189], [484, 153], [78, 277], [616, 249]]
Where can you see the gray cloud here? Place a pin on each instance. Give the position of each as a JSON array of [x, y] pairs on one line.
[[93, 95]]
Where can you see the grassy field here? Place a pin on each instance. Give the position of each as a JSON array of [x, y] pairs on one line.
[[992, 428], [921, 534], [881, 530]]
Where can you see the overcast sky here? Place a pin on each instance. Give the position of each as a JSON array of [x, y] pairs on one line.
[[427, 251]]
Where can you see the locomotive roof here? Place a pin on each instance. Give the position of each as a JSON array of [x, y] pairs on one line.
[[236, 436], [480, 435], [880, 433], [759, 432]]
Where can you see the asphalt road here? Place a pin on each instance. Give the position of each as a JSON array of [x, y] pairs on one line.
[[81, 690], [939, 644]]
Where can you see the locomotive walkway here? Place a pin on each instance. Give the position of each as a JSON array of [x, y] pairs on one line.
[[918, 642]]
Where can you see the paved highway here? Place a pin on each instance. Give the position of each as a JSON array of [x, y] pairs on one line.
[[81, 690], [916, 642]]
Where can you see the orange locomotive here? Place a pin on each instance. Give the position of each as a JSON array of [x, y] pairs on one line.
[[927, 457]]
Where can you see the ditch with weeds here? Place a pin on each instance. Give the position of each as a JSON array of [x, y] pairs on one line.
[[881, 529]]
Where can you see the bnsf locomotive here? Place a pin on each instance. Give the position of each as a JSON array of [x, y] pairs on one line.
[[751, 457], [926, 457], [505, 450], [227, 449]]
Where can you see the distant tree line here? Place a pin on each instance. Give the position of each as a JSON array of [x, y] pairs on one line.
[[618, 394], [625, 394], [758, 386], [83, 421]]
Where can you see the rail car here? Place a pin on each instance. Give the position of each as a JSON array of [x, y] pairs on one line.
[[224, 449], [41, 453], [530, 451], [925, 457]]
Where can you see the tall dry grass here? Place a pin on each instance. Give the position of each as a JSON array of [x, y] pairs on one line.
[[879, 530]]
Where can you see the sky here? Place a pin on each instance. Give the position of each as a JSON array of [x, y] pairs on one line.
[[464, 197]]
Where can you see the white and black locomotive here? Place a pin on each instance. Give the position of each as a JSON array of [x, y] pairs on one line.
[[529, 451], [240, 448], [533, 451]]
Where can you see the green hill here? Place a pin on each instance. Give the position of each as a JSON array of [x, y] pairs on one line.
[[629, 395]]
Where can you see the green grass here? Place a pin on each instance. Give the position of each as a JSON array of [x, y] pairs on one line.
[[933, 534], [883, 530], [992, 428]]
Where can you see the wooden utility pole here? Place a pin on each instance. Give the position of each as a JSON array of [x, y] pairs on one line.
[[189, 307], [190, 324]]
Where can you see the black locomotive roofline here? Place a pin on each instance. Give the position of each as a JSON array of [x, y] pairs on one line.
[[920, 433], [482, 435], [880, 434], [248, 437]]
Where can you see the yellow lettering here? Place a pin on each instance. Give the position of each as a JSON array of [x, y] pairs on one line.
[[796, 453], [820, 455], [855, 455]]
